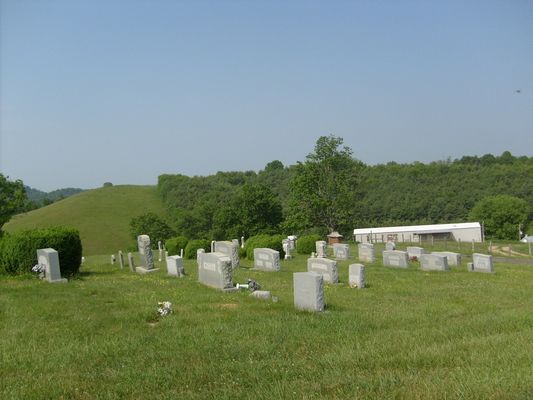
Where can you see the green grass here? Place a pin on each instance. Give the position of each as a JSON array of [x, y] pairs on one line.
[[101, 215], [410, 335]]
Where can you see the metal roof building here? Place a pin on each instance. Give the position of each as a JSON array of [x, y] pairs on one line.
[[465, 232]]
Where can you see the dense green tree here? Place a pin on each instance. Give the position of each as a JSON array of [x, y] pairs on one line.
[[152, 225], [12, 198], [502, 215], [323, 188]]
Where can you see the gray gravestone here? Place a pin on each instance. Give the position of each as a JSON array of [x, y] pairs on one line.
[[199, 254], [287, 249], [390, 246], [366, 252], [454, 259], [357, 275], [341, 251], [50, 259], [266, 259], [215, 270], [482, 263], [414, 251], [121, 259], [231, 249], [308, 291], [433, 262], [145, 252], [395, 258], [261, 294], [321, 248], [131, 264], [327, 268], [175, 266]]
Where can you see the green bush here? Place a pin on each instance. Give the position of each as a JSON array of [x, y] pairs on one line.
[[273, 242], [18, 251], [175, 244], [193, 245], [306, 244]]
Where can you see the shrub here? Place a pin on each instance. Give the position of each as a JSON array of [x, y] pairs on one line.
[[193, 245], [306, 244], [173, 245], [18, 251], [152, 225], [273, 242]]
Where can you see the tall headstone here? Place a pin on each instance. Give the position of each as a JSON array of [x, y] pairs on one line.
[[395, 258], [308, 291], [482, 263], [390, 246], [292, 242], [131, 264], [321, 248], [266, 259], [145, 252], [50, 259], [327, 268], [341, 251], [215, 270], [175, 266], [414, 251], [356, 273], [433, 262], [160, 250], [454, 259], [231, 249], [121, 259], [366, 252], [242, 242], [199, 254]]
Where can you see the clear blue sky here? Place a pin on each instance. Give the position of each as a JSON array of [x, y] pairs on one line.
[[123, 91]]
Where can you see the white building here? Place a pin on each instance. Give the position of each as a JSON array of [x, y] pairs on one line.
[[464, 232]]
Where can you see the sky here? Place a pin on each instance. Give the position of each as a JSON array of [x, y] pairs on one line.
[[122, 91]]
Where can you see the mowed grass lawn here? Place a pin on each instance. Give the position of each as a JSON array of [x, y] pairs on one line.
[[409, 334]]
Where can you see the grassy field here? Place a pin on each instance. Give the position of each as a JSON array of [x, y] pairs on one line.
[[408, 335], [101, 215]]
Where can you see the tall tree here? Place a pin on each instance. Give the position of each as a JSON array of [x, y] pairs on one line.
[[12, 198], [502, 216], [324, 187]]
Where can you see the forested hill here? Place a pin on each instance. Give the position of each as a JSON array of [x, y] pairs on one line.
[[38, 197], [386, 194]]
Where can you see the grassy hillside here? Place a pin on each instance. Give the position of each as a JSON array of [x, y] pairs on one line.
[[409, 335], [101, 215]]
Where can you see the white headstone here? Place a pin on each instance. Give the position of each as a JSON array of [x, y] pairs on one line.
[[341, 251], [308, 291], [395, 258], [266, 259], [454, 259], [413, 251], [357, 275], [321, 248], [131, 264], [482, 263], [231, 249], [433, 262], [390, 246], [327, 268], [215, 270], [50, 259], [175, 266], [366, 252]]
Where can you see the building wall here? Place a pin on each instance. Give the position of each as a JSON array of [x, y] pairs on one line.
[[463, 234]]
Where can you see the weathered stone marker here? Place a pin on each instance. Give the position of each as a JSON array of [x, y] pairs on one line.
[[147, 258], [266, 259], [131, 264], [414, 251], [390, 246], [434, 262], [175, 266], [454, 259], [357, 275], [50, 259], [482, 263], [321, 248], [366, 252], [214, 270], [395, 258], [308, 291], [231, 249], [341, 251], [121, 259], [327, 268]]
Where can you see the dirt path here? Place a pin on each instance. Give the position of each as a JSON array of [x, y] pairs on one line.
[[506, 251]]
